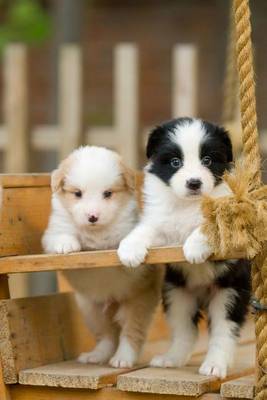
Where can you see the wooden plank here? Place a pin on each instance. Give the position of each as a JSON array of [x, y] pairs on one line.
[[24, 180], [71, 374], [184, 87], [186, 380], [16, 108], [70, 98], [24, 219], [88, 259], [242, 388], [21, 392], [29, 325], [4, 288], [126, 102]]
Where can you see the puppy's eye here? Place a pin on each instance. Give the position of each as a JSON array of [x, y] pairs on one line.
[[206, 161], [176, 162], [78, 193], [107, 194]]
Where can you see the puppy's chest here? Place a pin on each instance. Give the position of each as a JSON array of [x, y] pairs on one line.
[[179, 224]]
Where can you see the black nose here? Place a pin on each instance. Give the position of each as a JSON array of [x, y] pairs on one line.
[[92, 219], [193, 184]]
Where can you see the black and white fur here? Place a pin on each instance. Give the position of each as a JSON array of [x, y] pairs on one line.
[[187, 159]]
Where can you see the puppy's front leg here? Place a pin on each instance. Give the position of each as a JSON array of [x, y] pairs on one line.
[[133, 249], [196, 248]]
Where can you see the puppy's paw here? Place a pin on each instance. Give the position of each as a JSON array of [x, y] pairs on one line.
[[125, 356], [196, 248], [163, 361], [65, 244], [131, 253], [214, 367], [93, 357], [118, 362]]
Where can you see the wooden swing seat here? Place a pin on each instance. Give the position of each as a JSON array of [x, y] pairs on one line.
[[40, 337]]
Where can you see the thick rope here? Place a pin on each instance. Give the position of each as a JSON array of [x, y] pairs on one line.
[[252, 163], [247, 90]]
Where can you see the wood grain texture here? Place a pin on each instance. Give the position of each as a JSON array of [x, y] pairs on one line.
[[71, 374], [21, 392], [85, 259], [24, 180], [242, 388], [25, 213], [40, 330], [185, 381]]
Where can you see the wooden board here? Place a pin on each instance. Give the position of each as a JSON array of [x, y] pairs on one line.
[[40, 330], [20, 392], [70, 374], [87, 259], [25, 213], [242, 388], [185, 381], [24, 180]]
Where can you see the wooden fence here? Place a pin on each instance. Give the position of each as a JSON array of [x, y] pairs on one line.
[[16, 138]]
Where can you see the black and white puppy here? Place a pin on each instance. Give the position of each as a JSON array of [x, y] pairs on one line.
[[187, 159]]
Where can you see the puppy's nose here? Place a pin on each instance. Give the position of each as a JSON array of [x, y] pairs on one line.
[[193, 184], [92, 219]]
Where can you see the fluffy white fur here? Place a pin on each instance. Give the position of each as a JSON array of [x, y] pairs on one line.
[[107, 297], [172, 217]]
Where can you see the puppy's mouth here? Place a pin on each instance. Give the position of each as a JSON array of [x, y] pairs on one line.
[[193, 193]]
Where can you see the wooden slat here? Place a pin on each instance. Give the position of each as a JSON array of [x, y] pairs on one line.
[[40, 330], [71, 374], [24, 219], [242, 388], [186, 380], [87, 259], [15, 98], [24, 180], [21, 392]]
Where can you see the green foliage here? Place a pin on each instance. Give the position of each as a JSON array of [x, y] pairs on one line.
[[26, 21]]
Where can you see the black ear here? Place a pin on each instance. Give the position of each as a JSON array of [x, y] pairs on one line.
[[225, 137], [154, 140]]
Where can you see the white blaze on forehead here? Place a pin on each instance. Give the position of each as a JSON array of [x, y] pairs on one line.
[[93, 167], [189, 137]]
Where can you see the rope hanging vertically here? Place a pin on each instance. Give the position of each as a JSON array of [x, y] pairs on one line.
[[252, 163]]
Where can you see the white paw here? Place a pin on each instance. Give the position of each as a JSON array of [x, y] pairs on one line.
[[131, 253], [213, 367], [196, 249], [65, 244], [166, 361], [93, 357], [118, 362]]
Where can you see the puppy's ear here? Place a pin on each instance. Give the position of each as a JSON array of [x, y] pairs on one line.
[[58, 175], [154, 141], [128, 176]]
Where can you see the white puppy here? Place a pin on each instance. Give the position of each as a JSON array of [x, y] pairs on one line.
[[93, 207], [187, 159]]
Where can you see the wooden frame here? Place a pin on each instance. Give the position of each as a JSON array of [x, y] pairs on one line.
[[25, 211]]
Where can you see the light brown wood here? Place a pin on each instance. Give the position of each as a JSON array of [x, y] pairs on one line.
[[40, 330], [24, 180], [70, 98], [25, 213], [4, 389], [20, 392], [186, 380], [126, 102], [16, 108], [242, 388], [184, 87], [87, 259], [71, 374]]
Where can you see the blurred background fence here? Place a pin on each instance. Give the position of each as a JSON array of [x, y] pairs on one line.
[[18, 138]]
